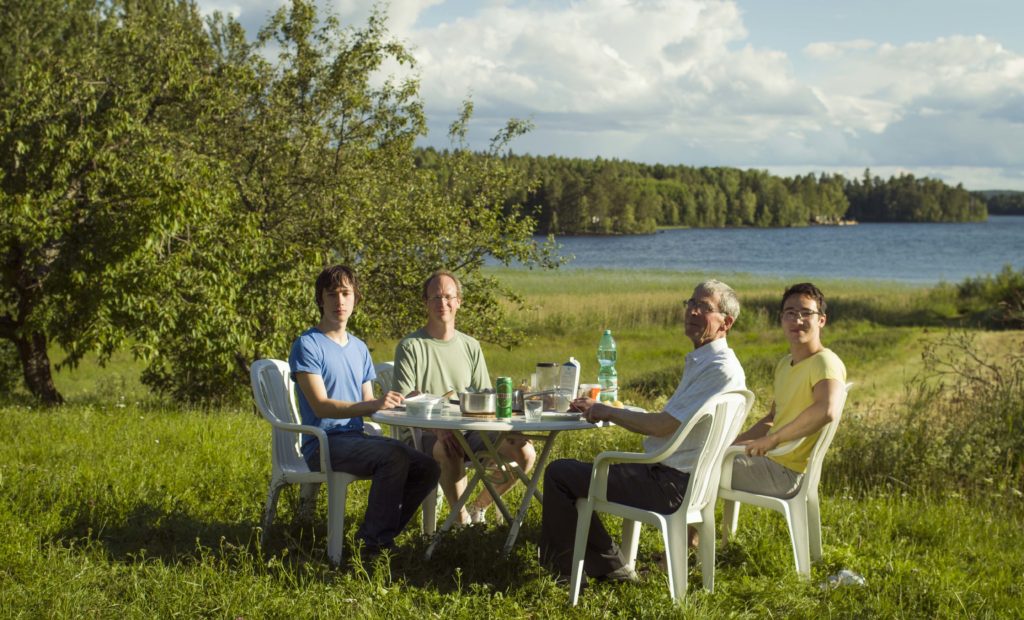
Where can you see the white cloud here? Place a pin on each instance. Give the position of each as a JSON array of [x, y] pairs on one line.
[[679, 81]]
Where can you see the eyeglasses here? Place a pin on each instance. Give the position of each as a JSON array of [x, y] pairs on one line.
[[803, 315], [701, 306], [437, 298]]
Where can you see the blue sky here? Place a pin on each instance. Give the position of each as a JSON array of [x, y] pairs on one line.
[[931, 88]]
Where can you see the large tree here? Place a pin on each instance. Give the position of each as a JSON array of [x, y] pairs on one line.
[[94, 171], [321, 159], [176, 186]]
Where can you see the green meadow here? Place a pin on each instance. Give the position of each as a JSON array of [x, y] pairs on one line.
[[123, 505]]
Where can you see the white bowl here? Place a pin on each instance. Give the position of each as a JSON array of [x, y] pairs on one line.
[[423, 405]]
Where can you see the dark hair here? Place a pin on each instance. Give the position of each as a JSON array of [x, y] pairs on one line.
[[333, 277], [808, 290], [438, 274]]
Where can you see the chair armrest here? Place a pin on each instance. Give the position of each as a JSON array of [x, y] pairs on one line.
[[623, 457], [604, 460], [725, 477], [725, 481], [787, 447], [372, 428], [325, 448]]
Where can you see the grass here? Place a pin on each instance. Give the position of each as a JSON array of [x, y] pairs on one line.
[[117, 505]]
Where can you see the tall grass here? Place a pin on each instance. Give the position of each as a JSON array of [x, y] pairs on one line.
[[960, 426]]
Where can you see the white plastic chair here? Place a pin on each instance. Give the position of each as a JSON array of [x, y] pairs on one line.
[[802, 511], [726, 413], [274, 392], [413, 436]]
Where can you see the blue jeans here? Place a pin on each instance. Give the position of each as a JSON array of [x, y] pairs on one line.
[[401, 477]]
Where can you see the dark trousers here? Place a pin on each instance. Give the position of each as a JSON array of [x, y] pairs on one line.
[[401, 477], [651, 487]]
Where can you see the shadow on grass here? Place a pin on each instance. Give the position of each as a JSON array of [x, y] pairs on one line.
[[465, 560], [468, 558], [152, 533]]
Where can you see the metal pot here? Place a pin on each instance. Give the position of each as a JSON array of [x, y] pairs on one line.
[[477, 402], [517, 400]]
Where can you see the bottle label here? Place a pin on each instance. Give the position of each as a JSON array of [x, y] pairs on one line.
[[609, 381]]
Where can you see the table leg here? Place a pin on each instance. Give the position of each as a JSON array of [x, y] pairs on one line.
[[500, 463], [479, 475], [531, 489], [452, 515]]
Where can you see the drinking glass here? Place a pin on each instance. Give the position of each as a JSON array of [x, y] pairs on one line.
[[534, 408]]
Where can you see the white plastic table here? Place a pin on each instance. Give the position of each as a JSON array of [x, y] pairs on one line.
[[545, 430]]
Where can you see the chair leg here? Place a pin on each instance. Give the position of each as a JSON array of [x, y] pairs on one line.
[[706, 549], [585, 512], [730, 519], [814, 528], [677, 562], [307, 500], [630, 541], [796, 518], [270, 509], [337, 489]]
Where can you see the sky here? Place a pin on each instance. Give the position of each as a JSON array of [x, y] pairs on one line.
[[927, 87]]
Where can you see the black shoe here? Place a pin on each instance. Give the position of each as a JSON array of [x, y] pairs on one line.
[[620, 574]]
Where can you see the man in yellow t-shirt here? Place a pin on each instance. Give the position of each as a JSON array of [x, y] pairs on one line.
[[810, 383]]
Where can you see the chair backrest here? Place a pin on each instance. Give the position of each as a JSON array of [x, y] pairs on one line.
[[274, 392], [817, 455], [731, 410], [385, 377]]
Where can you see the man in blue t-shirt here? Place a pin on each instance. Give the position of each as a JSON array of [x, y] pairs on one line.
[[333, 370]]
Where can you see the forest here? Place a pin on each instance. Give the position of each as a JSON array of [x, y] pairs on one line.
[[602, 196], [1003, 202]]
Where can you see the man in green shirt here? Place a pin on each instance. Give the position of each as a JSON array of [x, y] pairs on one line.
[[437, 359]]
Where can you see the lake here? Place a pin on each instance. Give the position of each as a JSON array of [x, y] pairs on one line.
[[918, 253]]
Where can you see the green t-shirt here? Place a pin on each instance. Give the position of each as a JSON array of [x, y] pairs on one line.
[[435, 366], [794, 385]]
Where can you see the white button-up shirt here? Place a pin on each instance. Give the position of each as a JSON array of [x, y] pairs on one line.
[[710, 370]]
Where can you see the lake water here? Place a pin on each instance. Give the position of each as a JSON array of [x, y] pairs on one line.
[[919, 253]]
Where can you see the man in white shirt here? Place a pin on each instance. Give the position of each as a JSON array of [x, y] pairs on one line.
[[711, 368]]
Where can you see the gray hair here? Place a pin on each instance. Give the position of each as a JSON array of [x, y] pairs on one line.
[[728, 303]]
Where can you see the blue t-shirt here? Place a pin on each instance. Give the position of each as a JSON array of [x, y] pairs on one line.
[[344, 370]]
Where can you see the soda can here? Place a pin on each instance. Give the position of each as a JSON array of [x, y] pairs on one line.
[[503, 388]]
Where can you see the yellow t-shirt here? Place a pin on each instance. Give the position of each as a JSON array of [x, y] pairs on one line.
[[794, 385]]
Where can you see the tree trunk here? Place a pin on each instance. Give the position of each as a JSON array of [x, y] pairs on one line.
[[35, 362]]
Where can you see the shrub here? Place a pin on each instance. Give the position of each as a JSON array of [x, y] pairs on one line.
[[995, 301], [959, 427]]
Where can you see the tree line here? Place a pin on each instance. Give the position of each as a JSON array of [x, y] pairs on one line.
[[601, 196], [1003, 202]]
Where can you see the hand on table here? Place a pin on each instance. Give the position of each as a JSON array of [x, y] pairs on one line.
[[591, 413], [390, 401]]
